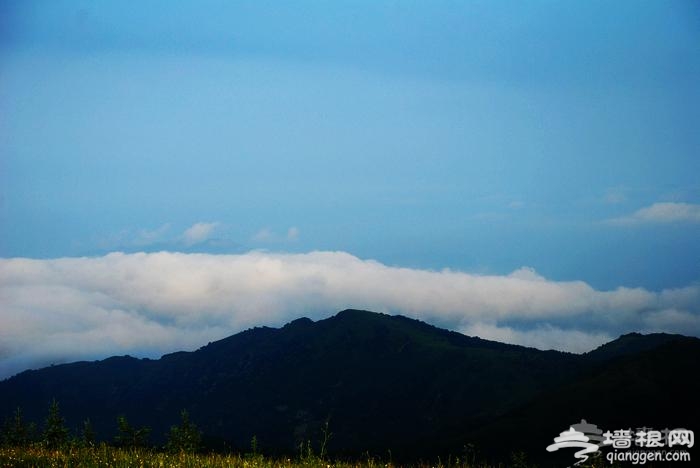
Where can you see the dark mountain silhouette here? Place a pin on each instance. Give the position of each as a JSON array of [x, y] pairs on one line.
[[630, 344], [656, 387], [383, 383]]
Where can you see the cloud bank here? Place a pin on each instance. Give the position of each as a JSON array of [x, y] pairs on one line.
[[147, 304]]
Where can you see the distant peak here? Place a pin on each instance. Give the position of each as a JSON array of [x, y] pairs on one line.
[[631, 335], [300, 322], [358, 313], [354, 317], [353, 312], [632, 343], [649, 336]]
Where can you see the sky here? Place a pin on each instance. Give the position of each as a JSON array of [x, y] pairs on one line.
[[175, 172]]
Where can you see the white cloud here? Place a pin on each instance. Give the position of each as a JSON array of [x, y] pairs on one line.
[[198, 233], [130, 238], [659, 213], [543, 337], [151, 303], [263, 235], [151, 236]]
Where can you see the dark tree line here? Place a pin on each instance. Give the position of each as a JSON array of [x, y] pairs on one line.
[[17, 432]]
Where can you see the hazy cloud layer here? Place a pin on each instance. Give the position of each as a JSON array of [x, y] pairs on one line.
[[198, 233], [147, 304], [164, 237], [658, 213], [268, 236]]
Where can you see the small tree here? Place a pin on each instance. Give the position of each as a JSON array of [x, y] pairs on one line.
[[254, 445], [55, 432], [87, 438], [130, 437], [186, 437], [16, 432]]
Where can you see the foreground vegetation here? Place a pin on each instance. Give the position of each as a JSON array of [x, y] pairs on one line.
[[23, 444], [104, 455]]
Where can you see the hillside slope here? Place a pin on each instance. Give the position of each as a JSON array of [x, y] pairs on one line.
[[382, 383]]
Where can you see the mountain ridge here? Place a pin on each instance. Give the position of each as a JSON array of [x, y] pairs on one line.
[[382, 382]]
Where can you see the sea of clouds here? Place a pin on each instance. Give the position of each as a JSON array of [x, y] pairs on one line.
[[147, 304]]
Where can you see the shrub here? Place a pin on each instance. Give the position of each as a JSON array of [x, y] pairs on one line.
[[55, 431], [130, 437], [184, 438], [16, 432]]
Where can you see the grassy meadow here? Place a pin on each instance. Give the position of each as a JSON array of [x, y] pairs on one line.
[[104, 455]]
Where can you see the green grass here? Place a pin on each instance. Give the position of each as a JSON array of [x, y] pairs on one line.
[[107, 456], [103, 455]]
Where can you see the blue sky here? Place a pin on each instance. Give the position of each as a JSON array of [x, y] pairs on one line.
[[481, 137]]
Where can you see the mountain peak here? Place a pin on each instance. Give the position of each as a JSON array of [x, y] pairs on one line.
[[632, 343], [358, 313], [300, 322], [419, 389]]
